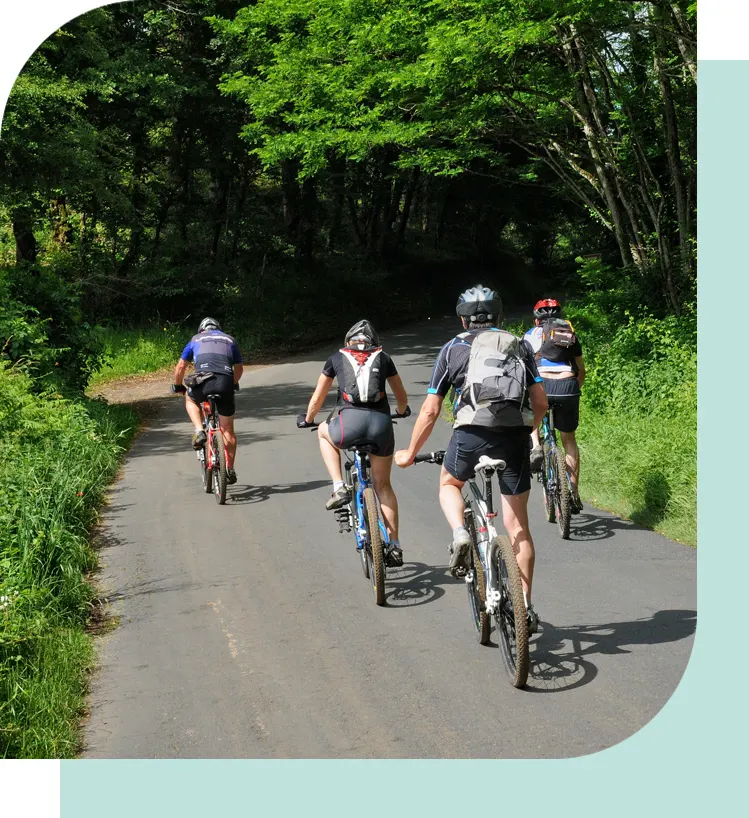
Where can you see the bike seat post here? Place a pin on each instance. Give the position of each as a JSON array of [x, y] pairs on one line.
[[488, 490]]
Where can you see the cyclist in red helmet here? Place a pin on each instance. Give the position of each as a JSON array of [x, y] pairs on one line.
[[559, 358]]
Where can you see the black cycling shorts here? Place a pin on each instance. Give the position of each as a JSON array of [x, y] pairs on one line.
[[220, 384], [564, 396], [355, 426], [513, 446]]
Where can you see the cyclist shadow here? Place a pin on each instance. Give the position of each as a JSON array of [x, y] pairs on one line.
[[587, 526], [256, 494], [416, 584], [560, 657]]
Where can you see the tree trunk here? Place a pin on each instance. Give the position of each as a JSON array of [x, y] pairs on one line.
[[23, 232], [400, 235]]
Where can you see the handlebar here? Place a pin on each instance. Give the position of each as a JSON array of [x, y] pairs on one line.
[[178, 388], [430, 457]]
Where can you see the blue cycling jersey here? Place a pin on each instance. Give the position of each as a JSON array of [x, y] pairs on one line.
[[212, 351]]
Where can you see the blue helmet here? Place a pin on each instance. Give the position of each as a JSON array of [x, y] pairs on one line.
[[480, 305]]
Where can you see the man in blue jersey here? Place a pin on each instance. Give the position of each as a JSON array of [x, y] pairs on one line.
[[218, 368], [498, 428], [563, 371]]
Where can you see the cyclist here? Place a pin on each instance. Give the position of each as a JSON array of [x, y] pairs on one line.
[[562, 368], [498, 427], [362, 370], [218, 368]]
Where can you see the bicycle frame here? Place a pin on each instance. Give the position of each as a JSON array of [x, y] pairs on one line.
[[210, 424], [360, 464], [486, 533], [548, 435]]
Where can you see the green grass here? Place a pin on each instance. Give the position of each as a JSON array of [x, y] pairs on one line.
[[139, 352], [57, 456], [643, 468]]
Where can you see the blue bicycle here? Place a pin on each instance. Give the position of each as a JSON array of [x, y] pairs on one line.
[[555, 479], [362, 516]]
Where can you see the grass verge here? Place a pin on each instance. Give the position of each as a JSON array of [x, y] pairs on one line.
[[57, 457]]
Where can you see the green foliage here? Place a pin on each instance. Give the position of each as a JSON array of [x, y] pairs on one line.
[[57, 458]]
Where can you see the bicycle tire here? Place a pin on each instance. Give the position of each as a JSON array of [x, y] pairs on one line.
[[206, 472], [352, 506], [219, 478], [482, 622], [549, 511], [563, 499], [512, 631], [377, 566]]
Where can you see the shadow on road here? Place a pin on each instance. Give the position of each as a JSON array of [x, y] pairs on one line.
[[561, 656], [256, 494], [588, 526], [416, 584]]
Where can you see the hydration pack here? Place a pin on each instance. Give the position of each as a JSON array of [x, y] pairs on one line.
[[360, 381], [557, 338], [494, 392]]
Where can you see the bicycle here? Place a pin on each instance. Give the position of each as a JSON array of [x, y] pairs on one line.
[[557, 491], [495, 590], [362, 516], [212, 454]]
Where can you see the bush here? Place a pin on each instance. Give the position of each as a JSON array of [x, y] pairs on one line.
[[57, 456]]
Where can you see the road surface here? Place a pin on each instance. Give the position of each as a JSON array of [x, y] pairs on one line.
[[249, 630]]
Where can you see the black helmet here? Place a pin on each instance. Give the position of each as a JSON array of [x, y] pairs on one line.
[[209, 323], [480, 305], [363, 336]]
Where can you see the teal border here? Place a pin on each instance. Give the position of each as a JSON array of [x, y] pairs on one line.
[[690, 759]]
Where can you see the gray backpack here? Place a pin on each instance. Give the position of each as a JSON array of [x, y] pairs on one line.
[[494, 391]]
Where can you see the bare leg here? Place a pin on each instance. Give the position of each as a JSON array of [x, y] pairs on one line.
[[515, 518], [572, 456], [331, 456], [381, 468], [451, 499], [193, 410], [230, 439]]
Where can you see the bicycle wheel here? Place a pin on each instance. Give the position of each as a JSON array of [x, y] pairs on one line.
[[354, 517], [376, 555], [512, 619], [219, 476], [562, 498], [205, 470], [477, 586], [548, 496]]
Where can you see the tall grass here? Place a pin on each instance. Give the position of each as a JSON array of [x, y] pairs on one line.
[[139, 351], [57, 456]]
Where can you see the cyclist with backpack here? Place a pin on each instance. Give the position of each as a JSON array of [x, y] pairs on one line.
[[559, 357], [362, 369], [500, 400], [218, 368]]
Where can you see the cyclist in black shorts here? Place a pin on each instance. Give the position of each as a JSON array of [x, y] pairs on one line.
[[218, 368], [362, 370], [563, 375], [499, 430]]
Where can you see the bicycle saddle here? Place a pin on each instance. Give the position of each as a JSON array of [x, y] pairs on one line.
[[213, 395], [490, 463], [363, 448]]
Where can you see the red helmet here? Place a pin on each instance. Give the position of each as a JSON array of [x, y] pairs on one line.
[[547, 306]]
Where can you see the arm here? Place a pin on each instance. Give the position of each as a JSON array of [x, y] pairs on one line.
[[238, 370], [318, 397], [579, 363], [428, 416], [399, 391], [539, 403], [179, 371]]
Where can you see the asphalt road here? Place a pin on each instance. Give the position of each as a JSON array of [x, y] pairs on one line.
[[249, 630]]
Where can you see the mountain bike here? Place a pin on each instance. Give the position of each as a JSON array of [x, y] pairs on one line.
[[554, 478], [362, 516], [495, 590]]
